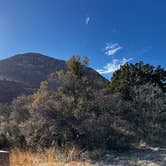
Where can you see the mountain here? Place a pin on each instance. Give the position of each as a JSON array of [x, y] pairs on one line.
[[29, 69], [11, 89]]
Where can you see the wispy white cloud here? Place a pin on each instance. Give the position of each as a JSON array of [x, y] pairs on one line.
[[113, 66], [110, 49], [87, 20]]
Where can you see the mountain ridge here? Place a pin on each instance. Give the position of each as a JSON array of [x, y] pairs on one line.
[[30, 69]]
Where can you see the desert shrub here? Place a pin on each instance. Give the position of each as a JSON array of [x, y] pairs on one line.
[[145, 112]]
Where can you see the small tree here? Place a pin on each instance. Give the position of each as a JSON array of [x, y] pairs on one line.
[[41, 94], [76, 65]]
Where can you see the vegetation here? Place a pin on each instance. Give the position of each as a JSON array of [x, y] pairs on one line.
[[129, 109], [49, 157], [130, 75]]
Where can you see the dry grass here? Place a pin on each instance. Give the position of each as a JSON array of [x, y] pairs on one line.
[[48, 158]]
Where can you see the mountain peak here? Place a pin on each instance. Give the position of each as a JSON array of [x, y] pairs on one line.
[[32, 68], [29, 69], [30, 55]]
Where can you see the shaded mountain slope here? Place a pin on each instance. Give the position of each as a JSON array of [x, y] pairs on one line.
[[11, 89], [18, 74], [32, 68]]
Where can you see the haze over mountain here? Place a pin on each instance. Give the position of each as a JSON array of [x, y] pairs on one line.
[[29, 69]]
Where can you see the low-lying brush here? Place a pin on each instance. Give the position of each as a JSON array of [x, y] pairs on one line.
[[49, 157]]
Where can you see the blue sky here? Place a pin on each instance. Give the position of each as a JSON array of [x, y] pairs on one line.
[[109, 32]]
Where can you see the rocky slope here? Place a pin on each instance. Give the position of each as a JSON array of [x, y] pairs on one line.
[[28, 70], [32, 68], [11, 89]]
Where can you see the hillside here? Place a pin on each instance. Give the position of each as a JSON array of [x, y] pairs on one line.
[[130, 111], [30, 69], [11, 89]]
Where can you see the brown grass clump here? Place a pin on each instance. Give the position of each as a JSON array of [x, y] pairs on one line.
[[50, 157]]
